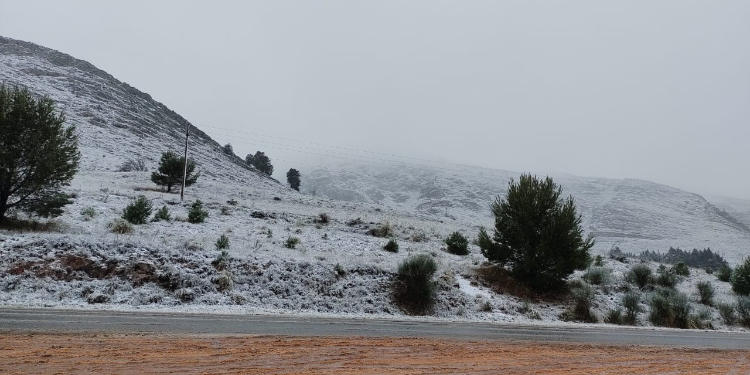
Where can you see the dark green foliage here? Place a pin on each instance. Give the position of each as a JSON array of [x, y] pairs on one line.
[[670, 308], [228, 149], [726, 311], [222, 242], [138, 211], [391, 246], [457, 244], [614, 316], [583, 296], [162, 214], [38, 154], [291, 242], [538, 234], [120, 226], [597, 275], [741, 278], [705, 292], [171, 169], [222, 261], [293, 177], [724, 274], [88, 213], [631, 303], [705, 258], [681, 269], [415, 290], [743, 310], [666, 278], [197, 214], [261, 162], [598, 261], [640, 275]]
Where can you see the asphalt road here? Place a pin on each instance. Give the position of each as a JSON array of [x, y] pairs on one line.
[[52, 320]]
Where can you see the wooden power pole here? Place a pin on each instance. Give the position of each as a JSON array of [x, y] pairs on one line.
[[184, 170]]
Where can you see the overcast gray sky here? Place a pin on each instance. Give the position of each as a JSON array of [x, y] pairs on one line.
[[657, 90]]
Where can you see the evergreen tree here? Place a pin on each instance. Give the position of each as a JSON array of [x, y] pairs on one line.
[[228, 149], [38, 154], [261, 162], [537, 234], [171, 168], [293, 177]]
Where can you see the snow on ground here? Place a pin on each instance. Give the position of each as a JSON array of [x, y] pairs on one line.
[[168, 265]]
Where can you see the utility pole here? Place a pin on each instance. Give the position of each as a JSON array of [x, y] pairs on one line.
[[184, 170]]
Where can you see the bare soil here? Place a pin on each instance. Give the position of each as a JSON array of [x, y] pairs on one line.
[[199, 354]]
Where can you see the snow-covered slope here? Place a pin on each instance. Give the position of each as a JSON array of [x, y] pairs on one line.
[[115, 121], [633, 214]]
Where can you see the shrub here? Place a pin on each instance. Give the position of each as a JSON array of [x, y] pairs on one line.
[[706, 292], [138, 211], [666, 278], [38, 154], [681, 269], [743, 310], [222, 242], [322, 218], [197, 214], [88, 213], [261, 162], [291, 242], [222, 261], [339, 270], [614, 316], [293, 178], [486, 306], [457, 244], [391, 246], [120, 226], [384, 230], [171, 171], [741, 278], [670, 308], [162, 214], [598, 261], [415, 289], [228, 149], [724, 274], [133, 165], [581, 311], [232, 202], [538, 234], [597, 275], [640, 275], [224, 281], [726, 311], [355, 222], [631, 303]]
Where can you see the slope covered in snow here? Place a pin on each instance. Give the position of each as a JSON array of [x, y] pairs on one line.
[[635, 215], [336, 268]]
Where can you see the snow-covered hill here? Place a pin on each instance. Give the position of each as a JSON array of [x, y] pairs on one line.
[[115, 122], [337, 266], [633, 214]]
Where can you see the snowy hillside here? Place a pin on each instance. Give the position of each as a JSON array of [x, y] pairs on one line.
[[115, 122], [633, 214], [337, 266]]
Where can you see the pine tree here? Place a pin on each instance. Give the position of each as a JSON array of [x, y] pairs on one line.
[[293, 177], [261, 162], [537, 233], [38, 154], [171, 168]]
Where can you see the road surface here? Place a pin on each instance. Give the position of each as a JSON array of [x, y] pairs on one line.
[[67, 321]]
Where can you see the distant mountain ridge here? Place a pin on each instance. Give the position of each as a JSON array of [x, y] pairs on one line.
[[635, 215]]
